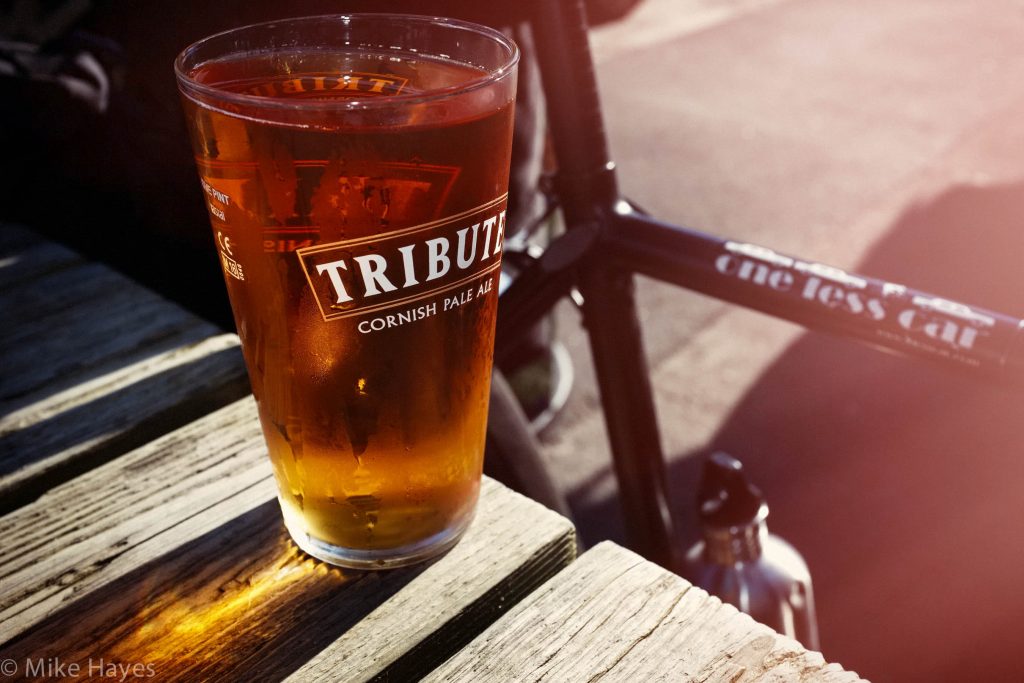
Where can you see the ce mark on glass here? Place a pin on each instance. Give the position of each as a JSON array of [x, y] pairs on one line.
[[231, 266]]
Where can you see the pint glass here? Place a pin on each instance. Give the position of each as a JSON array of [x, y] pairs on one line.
[[356, 169]]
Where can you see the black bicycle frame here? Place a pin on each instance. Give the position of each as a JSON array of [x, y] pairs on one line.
[[607, 242]]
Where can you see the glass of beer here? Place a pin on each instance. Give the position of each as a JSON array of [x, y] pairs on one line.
[[356, 169]]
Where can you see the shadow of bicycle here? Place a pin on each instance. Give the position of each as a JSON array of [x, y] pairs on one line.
[[901, 482]]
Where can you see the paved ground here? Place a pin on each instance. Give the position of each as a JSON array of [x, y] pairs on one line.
[[878, 136]]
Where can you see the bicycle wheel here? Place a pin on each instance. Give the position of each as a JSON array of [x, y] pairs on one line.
[[512, 454]]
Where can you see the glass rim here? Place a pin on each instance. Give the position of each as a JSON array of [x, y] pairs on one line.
[[191, 87]]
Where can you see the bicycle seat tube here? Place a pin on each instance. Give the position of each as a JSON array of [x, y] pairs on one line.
[[588, 193]]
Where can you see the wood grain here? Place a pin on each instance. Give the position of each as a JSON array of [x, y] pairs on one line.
[[103, 524], [94, 365], [174, 556], [613, 616]]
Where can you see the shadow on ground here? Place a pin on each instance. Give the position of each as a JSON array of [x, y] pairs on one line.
[[901, 482]]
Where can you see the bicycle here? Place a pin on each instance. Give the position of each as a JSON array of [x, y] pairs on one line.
[[607, 241]]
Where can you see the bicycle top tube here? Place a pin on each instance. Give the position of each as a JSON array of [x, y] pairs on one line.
[[888, 315]]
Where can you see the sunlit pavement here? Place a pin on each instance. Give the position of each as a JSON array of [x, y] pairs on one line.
[[880, 137]]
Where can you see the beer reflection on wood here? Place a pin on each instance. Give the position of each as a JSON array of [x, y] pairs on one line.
[[238, 599]]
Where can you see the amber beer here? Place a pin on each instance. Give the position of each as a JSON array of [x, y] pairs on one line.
[[357, 197]]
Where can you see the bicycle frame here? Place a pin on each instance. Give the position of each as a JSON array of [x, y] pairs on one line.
[[607, 242]]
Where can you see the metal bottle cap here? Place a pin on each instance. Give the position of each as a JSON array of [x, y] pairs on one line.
[[732, 512]]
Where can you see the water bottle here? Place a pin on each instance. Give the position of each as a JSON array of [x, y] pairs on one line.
[[741, 563]]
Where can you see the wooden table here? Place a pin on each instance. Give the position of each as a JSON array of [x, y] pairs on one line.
[[142, 538]]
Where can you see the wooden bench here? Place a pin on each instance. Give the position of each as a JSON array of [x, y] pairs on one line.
[[142, 538]]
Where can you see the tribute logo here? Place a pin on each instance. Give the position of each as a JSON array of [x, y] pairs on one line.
[[370, 274], [314, 86]]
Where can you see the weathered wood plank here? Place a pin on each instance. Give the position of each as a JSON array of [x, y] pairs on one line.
[[73, 320], [64, 433], [613, 616], [105, 523], [94, 365], [174, 555]]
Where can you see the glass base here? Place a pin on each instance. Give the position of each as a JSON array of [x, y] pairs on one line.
[[384, 558]]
